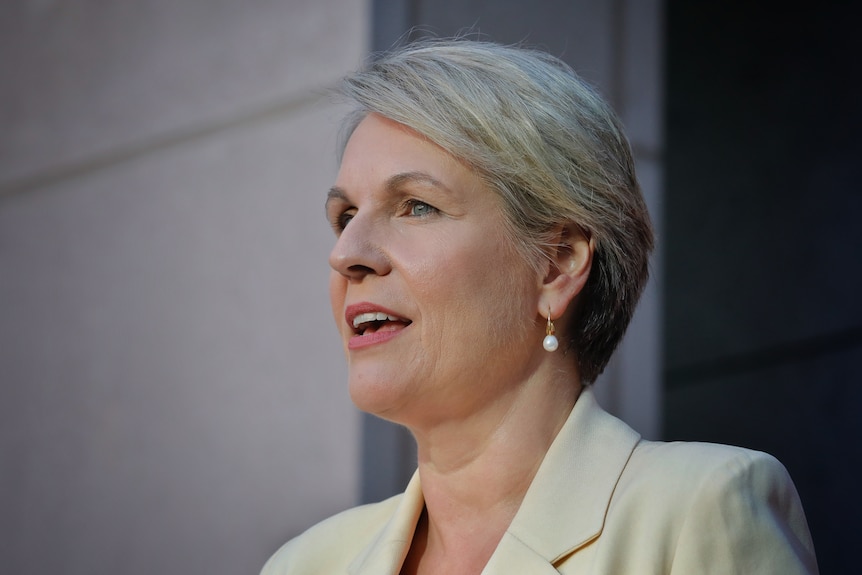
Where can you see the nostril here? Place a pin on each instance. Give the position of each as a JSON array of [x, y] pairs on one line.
[[359, 270]]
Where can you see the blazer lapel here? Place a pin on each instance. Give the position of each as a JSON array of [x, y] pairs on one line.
[[514, 556], [565, 506], [386, 553]]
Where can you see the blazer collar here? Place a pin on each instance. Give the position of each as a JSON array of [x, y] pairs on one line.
[[387, 551], [566, 504], [563, 509]]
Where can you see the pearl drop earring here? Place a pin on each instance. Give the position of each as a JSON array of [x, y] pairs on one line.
[[550, 342]]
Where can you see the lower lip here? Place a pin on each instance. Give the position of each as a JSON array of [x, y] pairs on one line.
[[361, 341]]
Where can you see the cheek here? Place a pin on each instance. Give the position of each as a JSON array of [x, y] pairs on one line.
[[487, 293], [510, 290], [337, 293]]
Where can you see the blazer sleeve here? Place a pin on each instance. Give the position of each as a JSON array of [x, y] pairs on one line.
[[746, 518]]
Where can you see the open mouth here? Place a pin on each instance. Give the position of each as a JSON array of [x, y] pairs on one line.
[[374, 322]]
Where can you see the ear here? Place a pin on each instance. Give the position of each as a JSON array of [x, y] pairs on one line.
[[570, 262]]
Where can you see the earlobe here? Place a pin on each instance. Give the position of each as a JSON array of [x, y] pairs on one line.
[[571, 261]]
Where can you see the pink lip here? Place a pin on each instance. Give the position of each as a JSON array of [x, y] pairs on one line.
[[359, 341]]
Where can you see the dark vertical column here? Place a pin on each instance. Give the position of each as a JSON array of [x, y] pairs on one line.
[[764, 319], [391, 22]]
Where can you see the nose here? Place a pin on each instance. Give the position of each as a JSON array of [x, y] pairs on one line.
[[359, 250]]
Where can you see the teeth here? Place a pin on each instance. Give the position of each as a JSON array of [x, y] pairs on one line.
[[372, 316]]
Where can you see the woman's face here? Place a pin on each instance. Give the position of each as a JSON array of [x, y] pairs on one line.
[[436, 309]]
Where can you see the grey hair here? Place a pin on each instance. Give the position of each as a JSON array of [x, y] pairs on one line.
[[547, 143]]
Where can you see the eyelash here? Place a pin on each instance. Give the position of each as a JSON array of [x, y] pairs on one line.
[[340, 221]]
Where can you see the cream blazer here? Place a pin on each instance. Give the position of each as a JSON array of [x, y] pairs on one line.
[[603, 501]]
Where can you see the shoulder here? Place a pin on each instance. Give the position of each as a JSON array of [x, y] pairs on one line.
[[735, 505], [672, 477], [683, 476], [332, 544], [692, 465], [687, 470]]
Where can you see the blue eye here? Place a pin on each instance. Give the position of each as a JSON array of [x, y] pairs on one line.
[[418, 208]]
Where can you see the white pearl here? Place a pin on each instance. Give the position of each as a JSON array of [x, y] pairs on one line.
[[550, 343]]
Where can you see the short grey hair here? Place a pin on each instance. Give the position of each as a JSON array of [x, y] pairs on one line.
[[547, 143]]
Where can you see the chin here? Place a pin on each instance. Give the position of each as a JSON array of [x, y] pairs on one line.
[[374, 396]]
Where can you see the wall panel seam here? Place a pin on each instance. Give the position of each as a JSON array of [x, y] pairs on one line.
[[294, 105]]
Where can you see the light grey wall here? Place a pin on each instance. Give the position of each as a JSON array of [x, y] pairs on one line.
[[173, 395]]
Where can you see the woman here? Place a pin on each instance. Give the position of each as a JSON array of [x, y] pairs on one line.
[[492, 242]]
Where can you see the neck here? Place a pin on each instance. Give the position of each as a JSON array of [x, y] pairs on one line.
[[475, 472]]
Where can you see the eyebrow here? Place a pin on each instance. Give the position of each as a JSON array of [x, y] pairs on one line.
[[336, 193], [392, 184], [398, 180]]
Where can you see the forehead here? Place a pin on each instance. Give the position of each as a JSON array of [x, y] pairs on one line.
[[382, 147]]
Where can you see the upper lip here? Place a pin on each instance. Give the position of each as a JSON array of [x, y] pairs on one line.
[[355, 310]]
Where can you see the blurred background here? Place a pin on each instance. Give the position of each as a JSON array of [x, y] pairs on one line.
[[172, 392]]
